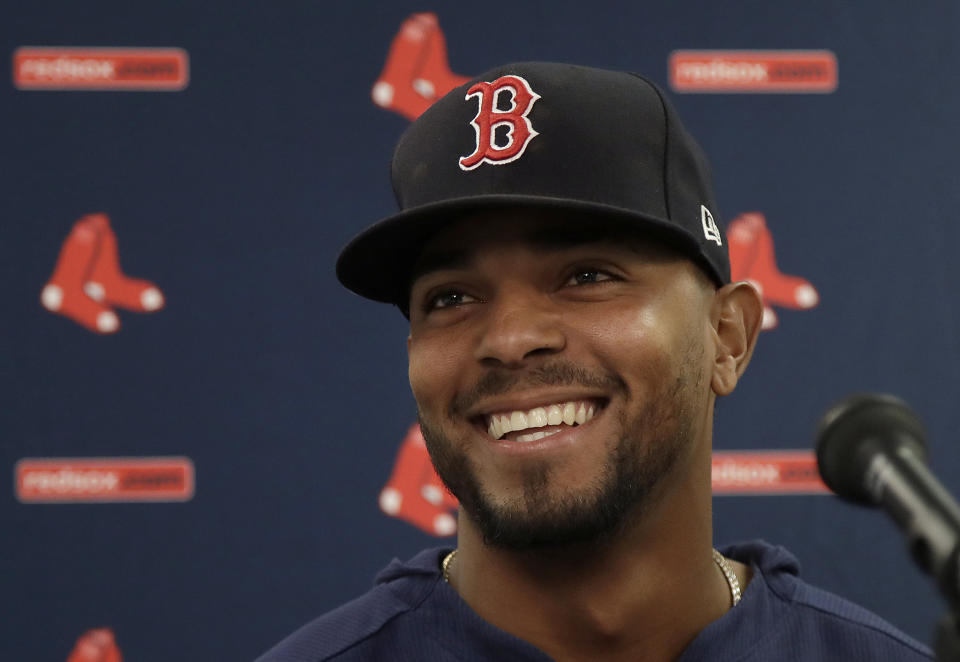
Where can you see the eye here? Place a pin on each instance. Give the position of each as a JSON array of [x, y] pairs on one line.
[[587, 276], [447, 299]]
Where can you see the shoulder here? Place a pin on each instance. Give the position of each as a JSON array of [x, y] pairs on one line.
[[831, 623], [821, 624], [351, 630]]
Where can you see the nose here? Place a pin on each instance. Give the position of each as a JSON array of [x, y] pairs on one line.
[[519, 326]]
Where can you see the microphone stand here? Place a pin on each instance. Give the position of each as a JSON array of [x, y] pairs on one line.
[[871, 451], [947, 638], [930, 518], [947, 647]]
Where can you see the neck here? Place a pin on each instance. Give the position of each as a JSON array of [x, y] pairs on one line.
[[643, 595]]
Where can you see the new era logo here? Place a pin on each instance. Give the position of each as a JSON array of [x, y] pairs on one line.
[[710, 229]]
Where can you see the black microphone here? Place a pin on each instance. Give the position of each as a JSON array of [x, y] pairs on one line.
[[871, 451]]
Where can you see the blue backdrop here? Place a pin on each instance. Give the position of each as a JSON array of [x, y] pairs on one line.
[[233, 196]]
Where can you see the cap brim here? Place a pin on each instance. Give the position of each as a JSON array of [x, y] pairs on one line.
[[378, 262]]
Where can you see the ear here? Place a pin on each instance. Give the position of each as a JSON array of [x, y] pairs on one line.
[[736, 314]]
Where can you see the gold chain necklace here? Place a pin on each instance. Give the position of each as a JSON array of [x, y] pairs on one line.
[[728, 573], [730, 576], [445, 565]]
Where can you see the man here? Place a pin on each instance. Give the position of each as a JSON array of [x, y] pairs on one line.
[[572, 322]]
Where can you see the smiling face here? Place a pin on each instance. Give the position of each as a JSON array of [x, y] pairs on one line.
[[562, 381]]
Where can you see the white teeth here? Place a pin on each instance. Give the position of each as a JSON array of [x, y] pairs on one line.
[[540, 434], [537, 418], [570, 413], [554, 415]]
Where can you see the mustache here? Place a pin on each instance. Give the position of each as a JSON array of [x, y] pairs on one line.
[[499, 381]]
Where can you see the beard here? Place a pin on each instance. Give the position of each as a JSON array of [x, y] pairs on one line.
[[647, 449]]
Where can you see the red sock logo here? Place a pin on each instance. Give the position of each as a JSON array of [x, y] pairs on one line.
[[416, 72], [96, 646], [415, 493], [87, 279], [752, 258]]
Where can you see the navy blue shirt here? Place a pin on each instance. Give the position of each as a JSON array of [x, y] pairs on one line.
[[412, 615]]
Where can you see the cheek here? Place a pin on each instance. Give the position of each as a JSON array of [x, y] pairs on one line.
[[625, 331], [417, 371], [432, 372], [642, 345]]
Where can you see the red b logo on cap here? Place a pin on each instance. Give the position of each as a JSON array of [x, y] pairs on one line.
[[519, 130]]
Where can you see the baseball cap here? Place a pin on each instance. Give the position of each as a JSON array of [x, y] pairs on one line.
[[605, 146]]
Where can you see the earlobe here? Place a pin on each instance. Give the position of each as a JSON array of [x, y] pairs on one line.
[[736, 315]]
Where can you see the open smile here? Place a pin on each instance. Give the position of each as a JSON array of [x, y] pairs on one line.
[[526, 425]]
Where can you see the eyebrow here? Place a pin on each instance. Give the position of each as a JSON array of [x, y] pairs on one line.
[[439, 261], [548, 239]]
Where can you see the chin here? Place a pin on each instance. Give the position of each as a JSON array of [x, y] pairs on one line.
[[550, 517], [582, 487], [543, 507]]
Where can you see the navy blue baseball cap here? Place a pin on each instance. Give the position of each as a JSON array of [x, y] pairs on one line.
[[605, 146]]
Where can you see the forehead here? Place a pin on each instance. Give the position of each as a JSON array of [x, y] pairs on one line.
[[457, 245]]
